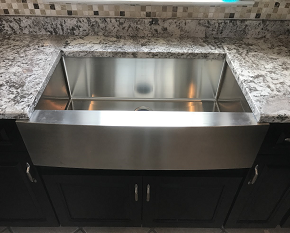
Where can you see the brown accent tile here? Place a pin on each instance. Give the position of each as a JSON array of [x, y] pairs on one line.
[[174, 14], [164, 8], [143, 8], [227, 15], [153, 14], [174, 9], [32, 11]]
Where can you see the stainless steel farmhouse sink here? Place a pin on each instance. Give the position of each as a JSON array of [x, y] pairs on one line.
[[143, 114]]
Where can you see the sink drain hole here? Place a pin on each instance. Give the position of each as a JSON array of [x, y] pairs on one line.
[[143, 108]]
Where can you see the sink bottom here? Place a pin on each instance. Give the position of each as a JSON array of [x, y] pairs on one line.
[[131, 105]]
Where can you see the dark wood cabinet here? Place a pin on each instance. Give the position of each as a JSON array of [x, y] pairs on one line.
[[264, 203], [96, 200], [187, 201], [23, 203], [92, 198]]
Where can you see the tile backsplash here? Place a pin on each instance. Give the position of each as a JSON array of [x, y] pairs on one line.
[[262, 9]]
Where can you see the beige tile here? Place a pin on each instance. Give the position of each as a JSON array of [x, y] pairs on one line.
[[2, 229], [116, 230], [278, 230], [245, 230], [188, 230], [44, 229]]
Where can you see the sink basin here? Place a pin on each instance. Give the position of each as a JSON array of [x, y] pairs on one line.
[[126, 84], [143, 114]]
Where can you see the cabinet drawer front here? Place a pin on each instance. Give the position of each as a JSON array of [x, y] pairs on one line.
[[84, 200], [188, 201]]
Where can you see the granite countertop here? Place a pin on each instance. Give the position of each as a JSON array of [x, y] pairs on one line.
[[261, 66]]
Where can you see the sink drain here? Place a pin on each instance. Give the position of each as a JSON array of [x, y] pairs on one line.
[[143, 108]]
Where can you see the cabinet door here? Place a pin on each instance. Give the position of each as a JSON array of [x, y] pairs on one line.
[[187, 201], [91, 200], [22, 202], [264, 203]]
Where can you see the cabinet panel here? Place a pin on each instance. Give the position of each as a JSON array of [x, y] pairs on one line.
[[23, 203], [264, 203], [188, 201], [10, 139], [83, 200]]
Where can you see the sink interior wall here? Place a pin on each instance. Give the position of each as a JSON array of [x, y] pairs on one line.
[[128, 83]]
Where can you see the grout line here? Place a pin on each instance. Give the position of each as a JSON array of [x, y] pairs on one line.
[[223, 230], [80, 230], [9, 229], [152, 230]]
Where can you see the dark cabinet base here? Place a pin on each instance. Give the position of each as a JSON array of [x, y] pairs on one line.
[[264, 203], [148, 199], [82, 200], [22, 202], [187, 201]]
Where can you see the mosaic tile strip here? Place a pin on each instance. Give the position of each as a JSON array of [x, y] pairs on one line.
[[164, 28], [262, 9]]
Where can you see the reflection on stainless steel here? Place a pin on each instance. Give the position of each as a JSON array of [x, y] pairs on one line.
[[142, 140], [164, 84], [197, 106], [143, 78], [198, 122], [231, 90]]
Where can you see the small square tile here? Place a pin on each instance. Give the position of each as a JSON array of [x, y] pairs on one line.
[[258, 15]]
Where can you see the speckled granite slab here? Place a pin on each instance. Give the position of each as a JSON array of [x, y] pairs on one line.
[[166, 28], [262, 69], [92, 46], [26, 63], [261, 66]]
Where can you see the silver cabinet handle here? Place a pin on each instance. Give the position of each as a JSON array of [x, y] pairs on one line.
[[148, 193], [255, 176], [287, 139], [136, 192], [29, 175]]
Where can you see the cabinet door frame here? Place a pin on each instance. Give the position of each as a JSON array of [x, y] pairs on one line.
[[229, 186], [54, 183], [249, 191], [37, 194]]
